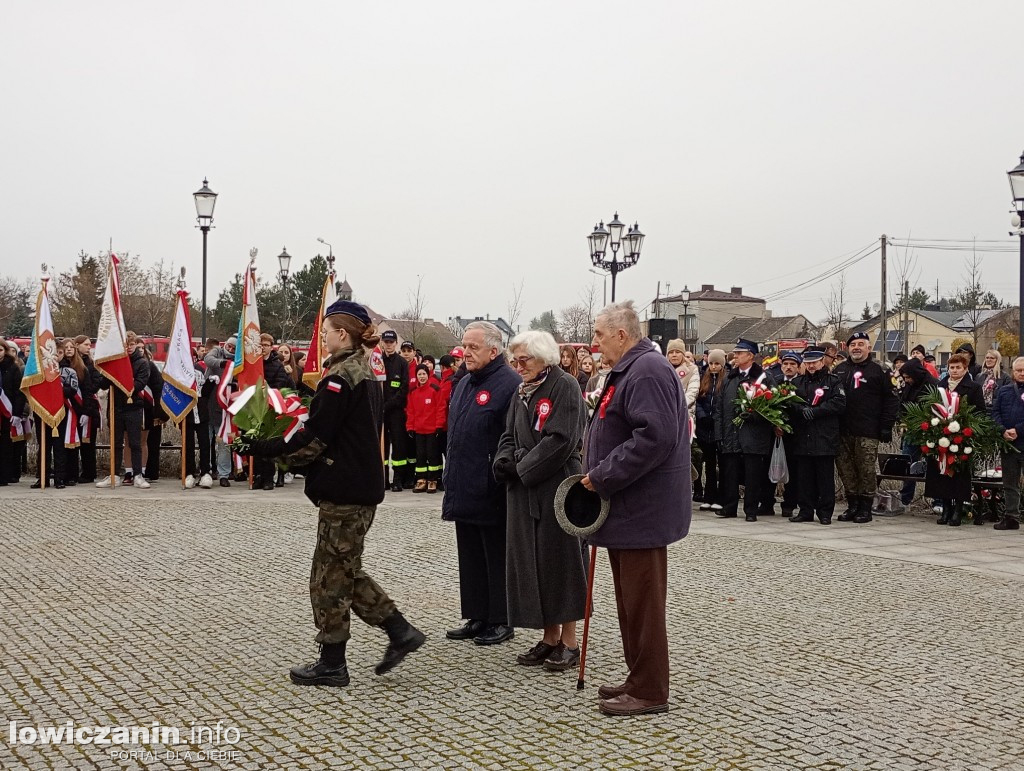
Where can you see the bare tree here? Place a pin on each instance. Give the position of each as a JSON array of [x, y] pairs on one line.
[[588, 295], [970, 297], [515, 305], [575, 323], [835, 308], [414, 311]]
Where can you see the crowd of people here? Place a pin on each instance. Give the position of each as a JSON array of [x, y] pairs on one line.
[[499, 430]]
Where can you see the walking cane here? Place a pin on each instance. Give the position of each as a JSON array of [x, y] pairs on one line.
[[586, 618]]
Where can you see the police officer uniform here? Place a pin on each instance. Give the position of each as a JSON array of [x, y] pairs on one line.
[[790, 500], [396, 390], [815, 439]]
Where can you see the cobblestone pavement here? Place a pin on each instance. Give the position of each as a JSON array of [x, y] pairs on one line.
[[126, 607]]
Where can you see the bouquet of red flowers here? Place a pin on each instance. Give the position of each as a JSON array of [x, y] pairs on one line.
[[767, 401], [951, 431]]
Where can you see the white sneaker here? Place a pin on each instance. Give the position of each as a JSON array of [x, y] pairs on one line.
[[716, 507], [206, 482], [705, 507], [142, 482], [289, 477], [105, 482], [936, 509], [190, 482]]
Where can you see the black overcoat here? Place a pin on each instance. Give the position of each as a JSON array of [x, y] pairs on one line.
[[755, 435]]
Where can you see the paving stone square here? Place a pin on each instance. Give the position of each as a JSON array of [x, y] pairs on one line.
[[792, 646]]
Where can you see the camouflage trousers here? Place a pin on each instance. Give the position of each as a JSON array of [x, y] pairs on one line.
[[856, 464], [337, 582]]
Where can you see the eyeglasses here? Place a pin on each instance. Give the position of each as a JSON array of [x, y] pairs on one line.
[[522, 361]]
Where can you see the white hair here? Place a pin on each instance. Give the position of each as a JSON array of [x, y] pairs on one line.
[[540, 345], [622, 316], [492, 335], [1019, 358]]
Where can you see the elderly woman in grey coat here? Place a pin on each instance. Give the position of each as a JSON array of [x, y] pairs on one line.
[[541, 446]]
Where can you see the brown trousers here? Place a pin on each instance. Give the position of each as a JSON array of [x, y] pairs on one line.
[[641, 588]]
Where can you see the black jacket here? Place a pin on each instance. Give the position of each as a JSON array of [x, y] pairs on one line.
[[755, 435], [705, 409], [396, 382], [476, 421], [973, 367], [872, 405], [10, 377], [920, 381], [140, 374], [820, 435], [275, 374], [338, 448], [969, 391], [90, 385]]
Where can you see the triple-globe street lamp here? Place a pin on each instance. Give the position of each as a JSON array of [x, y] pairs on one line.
[[602, 238]]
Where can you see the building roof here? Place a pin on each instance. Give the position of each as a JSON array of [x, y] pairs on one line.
[[426, 334], [499, 322], [967, 320], [945, 318], [708, 292], [761, 330]]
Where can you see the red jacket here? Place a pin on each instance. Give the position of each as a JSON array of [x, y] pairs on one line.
[[446, 397], [412, 373], [421, 407]]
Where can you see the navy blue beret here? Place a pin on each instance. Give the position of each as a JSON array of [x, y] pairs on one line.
[[348, 308]]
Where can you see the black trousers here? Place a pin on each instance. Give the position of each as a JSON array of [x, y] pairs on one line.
[[153, 451], [817, 474], [7, 470], [711, 489], [130, 422], [395, 440], [87, 451], [791, 492], [481, 550], [752, 470], [56, 467], [428, 457], [192, 430]]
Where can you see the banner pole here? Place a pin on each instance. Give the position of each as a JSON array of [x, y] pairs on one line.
[[183, 433], [250, 472], [42, 454], [110, 429]]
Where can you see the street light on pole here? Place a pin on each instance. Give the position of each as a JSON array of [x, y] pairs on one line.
[[205, 200], [604, 282], [685, 297], [1016, 176], [284, 260], [602, 238]]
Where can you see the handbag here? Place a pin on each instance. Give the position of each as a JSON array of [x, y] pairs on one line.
[[778, 469]]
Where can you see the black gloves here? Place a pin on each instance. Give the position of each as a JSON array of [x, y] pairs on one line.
[[505, 471], [807, 413], [258, 448]]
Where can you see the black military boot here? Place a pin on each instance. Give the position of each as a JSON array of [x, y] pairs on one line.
[[403, 639], [852, 509], [955, 515], [329, 669], [1007, 523], [863, 510], [978, 514]]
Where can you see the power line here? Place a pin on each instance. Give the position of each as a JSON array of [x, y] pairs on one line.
[[823, 276]]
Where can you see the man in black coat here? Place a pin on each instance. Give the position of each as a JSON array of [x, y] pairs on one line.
[[871, 410], [916, 382], [815, 436], [473, 498], [396, 389], [746, 448], [789, 371]]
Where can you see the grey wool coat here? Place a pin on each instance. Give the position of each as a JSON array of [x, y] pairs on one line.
[[545, 571]]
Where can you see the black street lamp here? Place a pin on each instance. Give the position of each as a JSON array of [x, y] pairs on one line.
[[685, 297], [631, 244], [206, 199], [1017, 188], [284, 260]]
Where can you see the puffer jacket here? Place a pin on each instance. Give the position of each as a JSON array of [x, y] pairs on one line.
[[705, 409], [1008, 411], [755, 435], [820, 435]]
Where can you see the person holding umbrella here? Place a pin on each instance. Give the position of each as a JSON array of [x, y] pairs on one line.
[[546, 579], [638, 458]]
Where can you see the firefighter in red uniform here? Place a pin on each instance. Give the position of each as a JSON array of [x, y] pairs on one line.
[[421, 420]]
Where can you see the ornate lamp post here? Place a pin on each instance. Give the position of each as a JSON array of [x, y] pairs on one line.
[[205, 199], [1016, 176], [602, 238], [685, 296], [284, 260]]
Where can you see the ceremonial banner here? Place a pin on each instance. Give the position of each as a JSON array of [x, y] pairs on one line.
[[311, 370], [41, 381], [181, 390], [110, 356], [248, 364]]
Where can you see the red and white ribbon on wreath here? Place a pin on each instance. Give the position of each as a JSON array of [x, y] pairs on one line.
[[543, 413], [948, 405], [290, 406], [224, 400]]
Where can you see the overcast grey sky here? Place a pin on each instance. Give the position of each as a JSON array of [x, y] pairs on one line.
[[477, 143]]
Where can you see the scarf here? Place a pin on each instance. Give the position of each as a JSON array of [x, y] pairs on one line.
[[527, 390]]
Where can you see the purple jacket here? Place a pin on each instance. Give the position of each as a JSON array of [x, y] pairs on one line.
[[638, 453]]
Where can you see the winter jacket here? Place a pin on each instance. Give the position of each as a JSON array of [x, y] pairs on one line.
[[872, 405], [445, 397], [10, 380], [973, 367], [140, 376], [970, 392], [755, 435], [705, 409], [638, 453], [820, 435], [338, 448], [1008, 410], [689, 378], [275, 374], [218, 362], [422, 406], [396, 383], [154, 412], [990, 384], [921, 381], [476, 421], [90, 385]]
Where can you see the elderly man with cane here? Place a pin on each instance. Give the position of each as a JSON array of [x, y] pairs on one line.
[[638, 458]]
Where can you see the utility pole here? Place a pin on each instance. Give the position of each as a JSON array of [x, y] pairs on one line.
[[906, 317], [885, 292]]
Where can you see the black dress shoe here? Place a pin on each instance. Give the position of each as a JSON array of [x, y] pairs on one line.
[[802, 518], [825, 519], [36, 485], [467, 631], [70, 482], [494, 634], [58, 486], [319, 673], [224, 482], [536, 655], [396, 487], [751, 518], [268, 486], [562, 658], [725, 515]]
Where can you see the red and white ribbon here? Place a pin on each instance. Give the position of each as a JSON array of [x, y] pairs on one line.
[[70, 427], [6, 408], [543, 413], [949, 403], [858, 376], [819, 393]]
